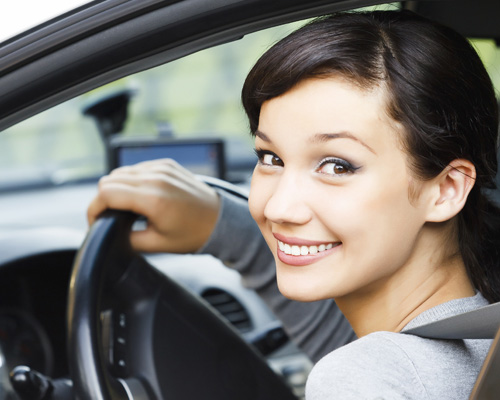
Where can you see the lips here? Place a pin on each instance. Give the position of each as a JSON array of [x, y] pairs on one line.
[[298, 252]]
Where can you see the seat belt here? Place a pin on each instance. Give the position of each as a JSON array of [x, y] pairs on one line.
[[481, 323]]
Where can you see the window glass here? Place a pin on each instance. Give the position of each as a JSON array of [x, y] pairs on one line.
[[489, 52], [198, 95]]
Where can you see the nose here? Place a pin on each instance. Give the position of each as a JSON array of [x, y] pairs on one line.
[[288, 202]]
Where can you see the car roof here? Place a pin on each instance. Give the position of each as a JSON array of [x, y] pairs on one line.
[[108, 39]]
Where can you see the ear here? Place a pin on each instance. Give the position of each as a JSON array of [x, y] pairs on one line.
[[450, 190]]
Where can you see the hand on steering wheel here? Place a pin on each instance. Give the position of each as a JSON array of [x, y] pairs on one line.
[[180, 209]]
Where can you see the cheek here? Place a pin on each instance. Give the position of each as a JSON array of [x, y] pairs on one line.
[[257, 199], [371, 210], [260, 193], [382, 223]]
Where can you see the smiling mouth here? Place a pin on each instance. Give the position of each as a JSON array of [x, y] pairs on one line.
[[296, 250]]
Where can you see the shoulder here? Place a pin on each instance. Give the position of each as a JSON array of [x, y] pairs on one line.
[[386, 365], [376, 366]]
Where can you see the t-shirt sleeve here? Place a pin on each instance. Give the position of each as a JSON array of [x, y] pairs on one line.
[[373, 367], [317, 327]]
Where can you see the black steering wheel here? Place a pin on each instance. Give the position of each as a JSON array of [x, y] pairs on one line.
[[136, 334]]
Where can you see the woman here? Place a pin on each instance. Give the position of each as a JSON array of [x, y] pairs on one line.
[[376, 135]]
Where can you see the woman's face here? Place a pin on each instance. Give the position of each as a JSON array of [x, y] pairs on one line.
[[330, 192]]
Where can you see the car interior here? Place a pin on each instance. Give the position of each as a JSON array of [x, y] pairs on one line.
[[113, 83]]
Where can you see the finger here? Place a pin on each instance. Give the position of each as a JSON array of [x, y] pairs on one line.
[[161, 161], [153, 172], [166, 164], [166, 187], [173, 170], [123, 191], [120, 196], [152, 241], [149, 241], [95, 208]]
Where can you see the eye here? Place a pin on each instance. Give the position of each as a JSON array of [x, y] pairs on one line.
[[268, 158], [335, 167]]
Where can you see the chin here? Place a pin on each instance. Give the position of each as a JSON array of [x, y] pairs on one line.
[[299, 290], [307, 283]]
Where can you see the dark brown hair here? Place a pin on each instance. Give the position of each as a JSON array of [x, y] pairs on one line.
[[438, 90]]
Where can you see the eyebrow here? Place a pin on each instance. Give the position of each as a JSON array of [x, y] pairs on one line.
[[322, 138], [262, 135]]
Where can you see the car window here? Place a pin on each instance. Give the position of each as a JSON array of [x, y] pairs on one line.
[[489, 51], [198, 95], [195, 96]]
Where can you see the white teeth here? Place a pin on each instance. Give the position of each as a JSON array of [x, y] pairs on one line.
[[303, 250]]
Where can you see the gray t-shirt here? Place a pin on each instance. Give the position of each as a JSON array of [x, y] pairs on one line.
[[387, 365], [382, 365]]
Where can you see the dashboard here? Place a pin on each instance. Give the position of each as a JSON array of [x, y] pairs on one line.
[[40, 234], [33, 294]]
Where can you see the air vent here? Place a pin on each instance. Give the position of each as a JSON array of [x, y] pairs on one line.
[[230, 308]]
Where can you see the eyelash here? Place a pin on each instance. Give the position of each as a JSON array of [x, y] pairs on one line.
[[262, 153], [347, 166], [338, 162]]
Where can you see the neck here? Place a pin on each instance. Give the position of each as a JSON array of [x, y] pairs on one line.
[[389, 305]]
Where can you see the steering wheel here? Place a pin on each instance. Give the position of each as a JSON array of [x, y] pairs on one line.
[[134, 333]]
